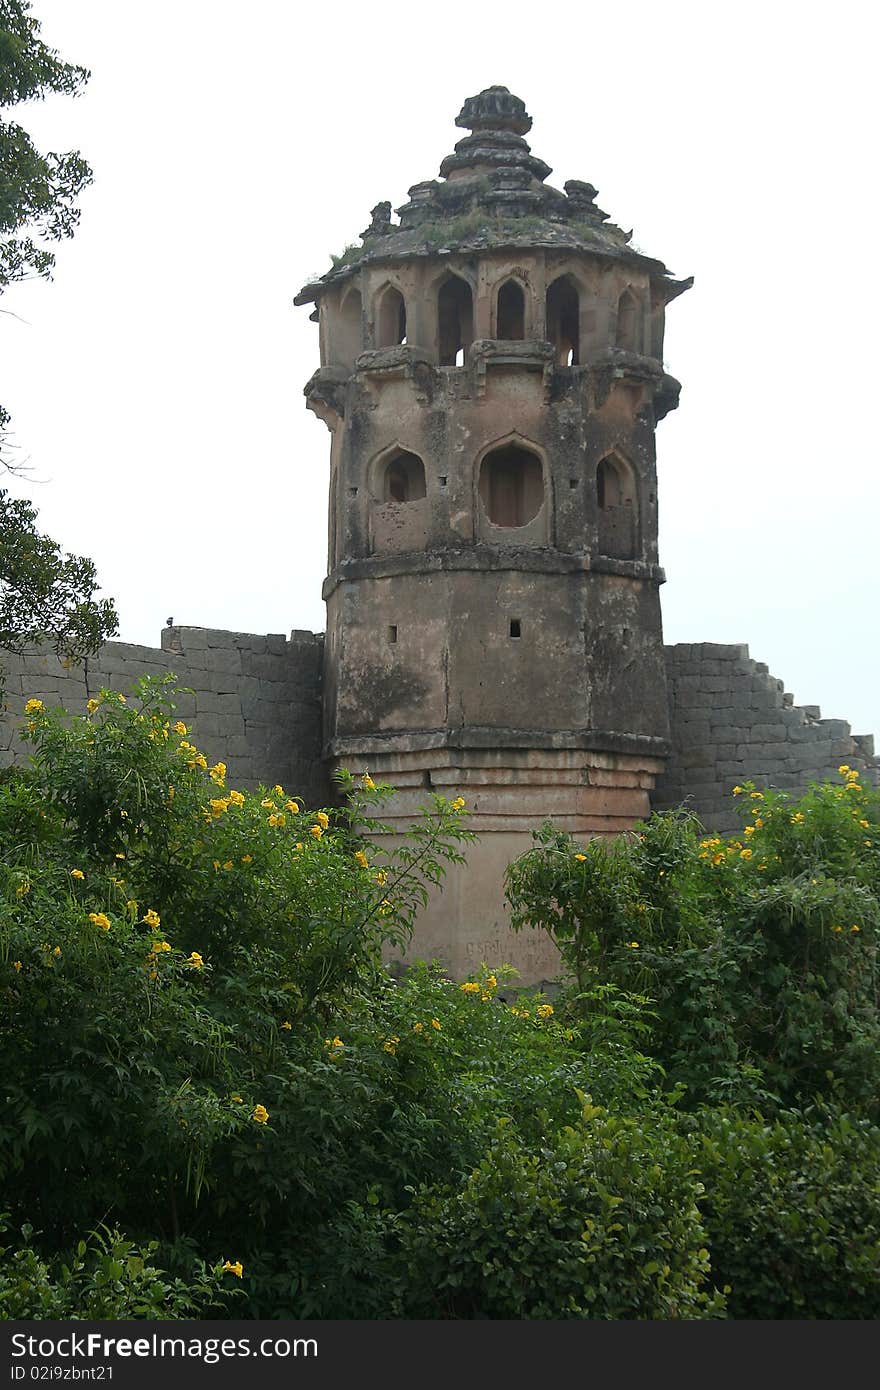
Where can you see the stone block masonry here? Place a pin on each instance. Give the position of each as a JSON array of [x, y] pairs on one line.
[[732, 722], [253, 702]]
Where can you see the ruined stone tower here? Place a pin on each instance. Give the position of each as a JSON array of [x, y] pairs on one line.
[[491, 375]]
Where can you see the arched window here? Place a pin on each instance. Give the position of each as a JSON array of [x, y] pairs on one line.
[[511, 316], [455, 320], [511, 485], [618, 509], [564, 321], [391, 326], [628, 336], [350, 336], [403, 478]]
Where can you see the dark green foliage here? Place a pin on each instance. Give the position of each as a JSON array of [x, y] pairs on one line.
[[758, 953], [45, 594], [38, 192], [107, 1278], [599, 1220], [792, 1212]]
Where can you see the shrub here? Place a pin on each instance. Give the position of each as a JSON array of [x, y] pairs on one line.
[[599, 1221], [792, 1212]]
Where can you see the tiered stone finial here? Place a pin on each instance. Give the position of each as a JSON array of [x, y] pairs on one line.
[[498, 120]]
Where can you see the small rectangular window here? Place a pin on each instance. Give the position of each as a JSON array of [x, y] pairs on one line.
[[515, 627], [352, 492], [442, 482], [392, 632], [573, 482]]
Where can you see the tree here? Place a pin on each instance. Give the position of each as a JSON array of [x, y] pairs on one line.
[[38, 192], [44, 594]]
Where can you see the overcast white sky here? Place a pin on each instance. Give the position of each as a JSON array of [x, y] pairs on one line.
[[156, 384]]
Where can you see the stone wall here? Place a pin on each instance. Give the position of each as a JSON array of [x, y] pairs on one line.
[[254, 702], [731, 722]]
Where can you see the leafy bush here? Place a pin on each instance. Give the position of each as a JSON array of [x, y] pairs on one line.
[[792, 1213], [758, 953], [599, 1221], [111, 1278]]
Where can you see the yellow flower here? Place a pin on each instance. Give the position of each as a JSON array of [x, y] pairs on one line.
[[737, 791], [632, 945], [56, 950], [100, 919], [458, 804], [745, 854], [131, 906], [491, 982], [180, 728], [381, 878], [798, 818], [316, 831], [227, 864], [843, 769], [323, 819], [278, 789], [159, 946], [757, 796], [852, 787], [299, 845], [23, 888], [260, 1114], [292, 806], [218, 806], [470, 987], [279, 819], [247, 859], [33, 706], [361, 858], [580, 858], [435, 1024], [120, 856], [151, 917], [121, 698], [749, 830], [236, 1268], [544, 1011], [334, 1047], [237, 798], [854, 928], [390, 1045], [194, 960], [417, 1027], [216, 866], [286, 1026], [268, 803], [77, 873], [170, 793], [236, 1100], [368, 784], [218, 773], [92, 705], [16, 965]]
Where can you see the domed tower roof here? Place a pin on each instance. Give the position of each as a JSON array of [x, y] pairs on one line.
[[492, 193]]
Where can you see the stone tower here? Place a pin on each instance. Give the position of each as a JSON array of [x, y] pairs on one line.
[[491, 375]]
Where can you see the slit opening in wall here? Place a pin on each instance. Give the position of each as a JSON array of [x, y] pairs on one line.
[[573, 482], [442, 481], [352, 492], [392, 632], [515, 627]]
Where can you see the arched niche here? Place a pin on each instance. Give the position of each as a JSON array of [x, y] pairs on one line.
[[628, 336], [349, 337], [564, 321], [455, 320], [390, 318], [510, 312], [401, 478], [511, 485], [399, 511], [617, 506]]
